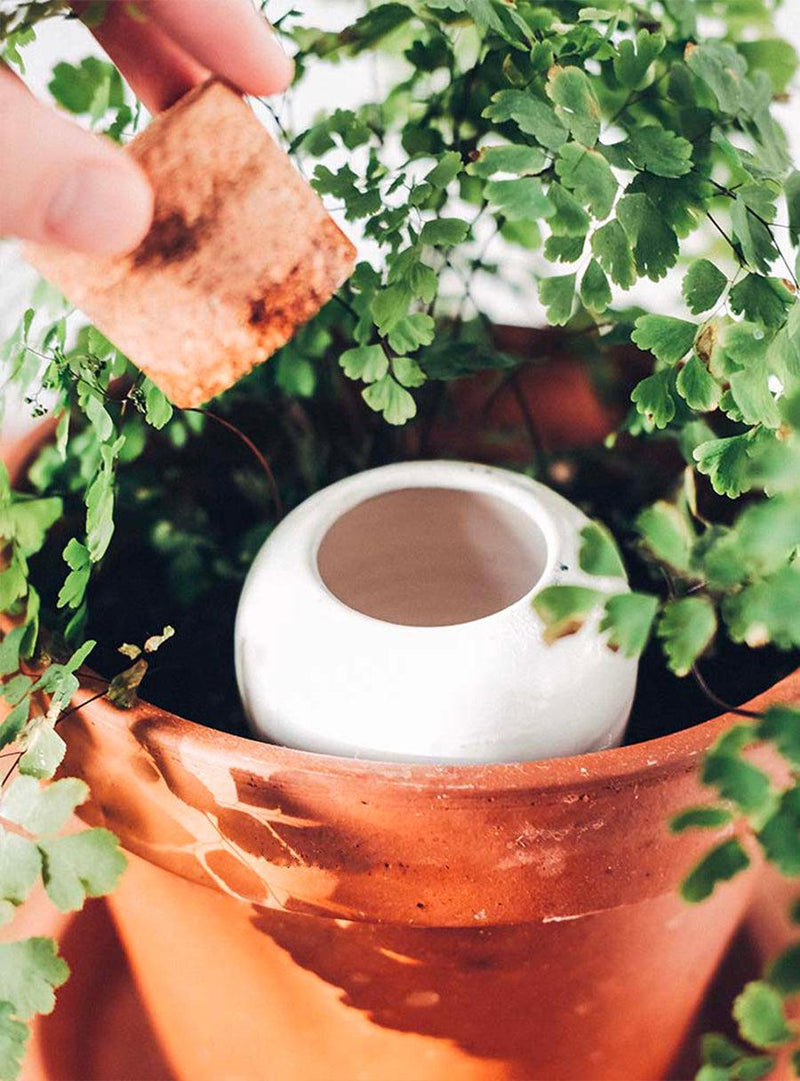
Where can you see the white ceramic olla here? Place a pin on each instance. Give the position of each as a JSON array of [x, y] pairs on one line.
[[390, 617]]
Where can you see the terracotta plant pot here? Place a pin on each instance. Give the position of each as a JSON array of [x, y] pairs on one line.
[[311, 918]]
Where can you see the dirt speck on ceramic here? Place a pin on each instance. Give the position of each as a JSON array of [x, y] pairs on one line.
[[390, 616]]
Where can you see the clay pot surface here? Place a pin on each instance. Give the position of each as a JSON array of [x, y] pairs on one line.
[[310, 918]]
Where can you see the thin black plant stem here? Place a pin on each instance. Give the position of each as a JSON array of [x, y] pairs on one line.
[[260, 458]]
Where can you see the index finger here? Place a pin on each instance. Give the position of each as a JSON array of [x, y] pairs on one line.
[[230, 38]]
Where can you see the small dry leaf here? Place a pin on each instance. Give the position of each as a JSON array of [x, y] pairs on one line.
[[156, 640]]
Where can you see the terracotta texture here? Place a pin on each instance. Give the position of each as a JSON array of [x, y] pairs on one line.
[[311, 918], [348, 920], [240, 253]]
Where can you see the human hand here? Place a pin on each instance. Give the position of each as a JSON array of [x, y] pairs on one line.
[[62, 185]]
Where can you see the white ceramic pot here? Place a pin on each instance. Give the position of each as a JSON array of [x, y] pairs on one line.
[[390, 617]]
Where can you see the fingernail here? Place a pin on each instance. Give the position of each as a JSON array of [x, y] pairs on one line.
[[101, 207]]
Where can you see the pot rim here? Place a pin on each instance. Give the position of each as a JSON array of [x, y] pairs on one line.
[[619, 767], [646, 763]]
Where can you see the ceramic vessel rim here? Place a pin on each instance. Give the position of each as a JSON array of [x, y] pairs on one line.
[[457, 476], [646, 762]]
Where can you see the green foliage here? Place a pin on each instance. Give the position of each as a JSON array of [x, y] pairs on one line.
[[599, 553], [616, 141], [686, 627], [703, 285], [719, 865], [628, 618], [760, 1014]]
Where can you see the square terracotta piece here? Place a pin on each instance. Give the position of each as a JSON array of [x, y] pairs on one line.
[[241, 252]]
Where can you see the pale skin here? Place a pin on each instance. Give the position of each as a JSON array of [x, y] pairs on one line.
[[60, 184]]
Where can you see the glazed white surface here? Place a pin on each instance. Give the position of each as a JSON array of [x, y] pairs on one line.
[[317, 675]]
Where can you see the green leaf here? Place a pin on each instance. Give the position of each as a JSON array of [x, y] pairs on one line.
[[44, 753], [507, 159], [99, 417], [698, 388], [367, 362], [719, 865], [792, 193], [599, 554], [564, 609], [769, 609], [781, 726], [41, 810], [576, 105], [655, 245], [519, 199], [100, 513], [27, 521], [84, 87], [779, 835], [633, 59], [13, 1038], [628, 619], [407, 372], [76, 556], [723, 70], [760, 1015], [80, 865], [784, 971], [410, 332], [157, 406], [708, 817], [613, 252], [754, 236], [667, 533], [20, 867], [702, 286], [564, 249], [753, 397], [659, 151], [569, 218], [444, 232], [531, 115], [686, 628], [446, 170], [10, 646], [761, 300], [725, 462], [653, 398], [388, 397], [736, 780], [774, 56], [389, 305], [589, 176], [668, 339], [13, 723], [595, 290], [30, 970], [557, 293]]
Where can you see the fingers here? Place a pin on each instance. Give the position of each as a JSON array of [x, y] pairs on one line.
[[165, 47], [62, 185], [230, 38], [158, 71]]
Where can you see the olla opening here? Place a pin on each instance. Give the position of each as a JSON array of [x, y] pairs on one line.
[[432, 557]]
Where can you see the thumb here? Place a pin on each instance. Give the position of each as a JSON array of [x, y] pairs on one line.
[[61, 185]]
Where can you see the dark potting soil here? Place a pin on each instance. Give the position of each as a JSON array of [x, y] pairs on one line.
[[190, 519]]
